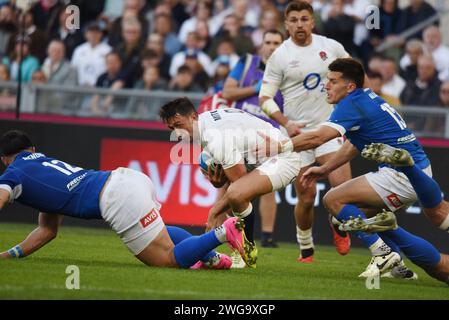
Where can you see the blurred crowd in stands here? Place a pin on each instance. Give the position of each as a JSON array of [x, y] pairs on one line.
[[191, 45]]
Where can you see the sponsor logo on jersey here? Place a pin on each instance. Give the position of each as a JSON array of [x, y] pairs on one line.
[[72, 184], [395, 201], [323, 55], [149, 218]]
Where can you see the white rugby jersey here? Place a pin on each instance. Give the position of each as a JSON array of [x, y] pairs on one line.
[[300, 73], [230, 135]]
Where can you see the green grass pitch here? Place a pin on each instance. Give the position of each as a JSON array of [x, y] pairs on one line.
[[109, 271]]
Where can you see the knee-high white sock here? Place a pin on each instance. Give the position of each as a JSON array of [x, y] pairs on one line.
[[304, 238], [245, 212]]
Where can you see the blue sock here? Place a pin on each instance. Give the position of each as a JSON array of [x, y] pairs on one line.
[[389, 242], [190, 250], [351, 210], [427, 189], [178, 234], [418, 250]]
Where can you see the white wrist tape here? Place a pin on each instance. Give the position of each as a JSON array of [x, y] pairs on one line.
[[270, 107], [286, 146]]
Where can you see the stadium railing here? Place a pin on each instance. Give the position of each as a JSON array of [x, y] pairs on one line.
[[133, 104]]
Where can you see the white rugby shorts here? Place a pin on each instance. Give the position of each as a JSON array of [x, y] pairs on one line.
[[281, 169], [394, 187], [128, 203]]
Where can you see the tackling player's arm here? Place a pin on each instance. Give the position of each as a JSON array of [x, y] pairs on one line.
[[43, 234], [345, 154]]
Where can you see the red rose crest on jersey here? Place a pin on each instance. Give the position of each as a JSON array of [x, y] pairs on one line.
[[394, 200], [149, 218], [323, 55]]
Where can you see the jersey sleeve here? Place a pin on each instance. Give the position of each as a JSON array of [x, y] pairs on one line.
[[345, 117], [340, 51], [10, 182], [273, 71], [237, 71]]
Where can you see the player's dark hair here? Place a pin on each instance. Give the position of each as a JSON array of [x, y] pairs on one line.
[[13, 142], [274, 31], [298, 6], [182, 106], [351, 69]]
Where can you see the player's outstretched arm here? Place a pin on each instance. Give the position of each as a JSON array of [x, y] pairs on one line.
[[43, 234], [345, 154]]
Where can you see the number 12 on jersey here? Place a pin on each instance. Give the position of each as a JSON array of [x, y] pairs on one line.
[[62, 167]]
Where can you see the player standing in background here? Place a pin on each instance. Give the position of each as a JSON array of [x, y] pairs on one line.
[[242, 87], [298, 69], [124, 198]]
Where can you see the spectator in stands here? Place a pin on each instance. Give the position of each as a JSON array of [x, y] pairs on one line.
[[204, 39], [221, 72], [45, 13], [203, 12], [244, 12], [114, 76], [37, 37], [418, 11], [192, 48], [270, 19], [183, 81], [132, 9], [424, 91], [113, 79], [340, 26], [151, 80], [376, 83], [57, 68], [89, 57], [374, 63], [155, 43], [130, 50], [7, 98], [414, 49], [21, 55], [393, 83], [391, 26], [200, 76], [164, 26], [225, 52], [444, 94], [232, 28], [142, 107], [439, 52], [8, 29], [71, 37]]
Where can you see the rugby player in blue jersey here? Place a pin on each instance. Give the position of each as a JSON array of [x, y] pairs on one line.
[[365, 118], [124, 198]]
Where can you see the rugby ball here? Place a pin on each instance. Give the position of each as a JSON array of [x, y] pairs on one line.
[[206, 161]]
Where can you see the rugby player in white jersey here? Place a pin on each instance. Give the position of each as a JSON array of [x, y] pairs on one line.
[[298, 68], [230, 136]]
